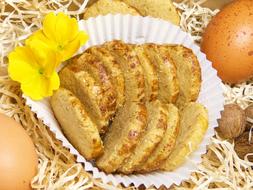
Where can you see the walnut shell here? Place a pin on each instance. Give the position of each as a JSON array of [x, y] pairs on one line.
[[249, 115], [233, 121], [244, 146]]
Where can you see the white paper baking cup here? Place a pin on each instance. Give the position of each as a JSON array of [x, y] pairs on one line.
[[136, 29]]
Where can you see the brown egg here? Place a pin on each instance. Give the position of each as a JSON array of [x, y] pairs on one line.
[[18, 158], [228, 41]]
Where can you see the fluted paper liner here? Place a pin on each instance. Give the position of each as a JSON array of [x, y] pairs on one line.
[[138, 30]]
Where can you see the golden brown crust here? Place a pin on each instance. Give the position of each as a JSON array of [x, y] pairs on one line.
[[157, 124], [77, 126], [122, 136], [113, 70], [163, 9], [167, 79], [164, 148], [150, 74], [193, 126], [87, 91], [96, 69], [188, 73], [104, 7], [132, 70]]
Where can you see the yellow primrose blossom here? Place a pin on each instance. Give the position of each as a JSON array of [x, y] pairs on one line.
[[61, 34], [34, 67]]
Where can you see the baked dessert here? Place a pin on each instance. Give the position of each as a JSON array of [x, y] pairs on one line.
[[127, 93], [122, 136], [96, 70], [164, 148], [113, 69], [126, 57], [163, 9], [104, 7], [85, 88], [153, 134], [167, 78], [188, 73], [77, 126], [193, 126], [150, 74]]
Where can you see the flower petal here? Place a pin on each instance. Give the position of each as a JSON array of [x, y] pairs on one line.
[[45, 53], [22, 65], [49, 24], [71, 48], [41, 86], [66, 28]]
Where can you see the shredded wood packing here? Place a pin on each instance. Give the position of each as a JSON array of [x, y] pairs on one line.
[[220, 168]]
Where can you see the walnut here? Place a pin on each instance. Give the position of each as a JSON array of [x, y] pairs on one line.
[[233, 121], [249, 115], [244, 146]]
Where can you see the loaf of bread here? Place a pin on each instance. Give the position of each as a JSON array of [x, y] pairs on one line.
[[128, 94]]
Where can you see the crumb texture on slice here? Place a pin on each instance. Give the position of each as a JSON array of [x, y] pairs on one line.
[[84, 87], [193, 126], [126, 57], [122, 136], [163, 9], [89, 63], [164, 148], [150, 74], [76, 124], [167, 80], [113, 69], [153, 134], [188, 73], [104, 7]]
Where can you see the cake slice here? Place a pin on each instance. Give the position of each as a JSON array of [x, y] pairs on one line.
[[150, 74], [84, 87], [113, 69], [126, 56], [122, 136], [157, 124], [167, 80], [188, 73], [96, 69], [164, 148], [163, 9], [104, 7], [193, 126], [75, 123]]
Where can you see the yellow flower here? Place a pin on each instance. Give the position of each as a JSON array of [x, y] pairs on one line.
[[34, 67], [61, 34]]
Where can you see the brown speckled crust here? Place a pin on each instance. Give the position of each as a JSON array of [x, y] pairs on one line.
[[126, 57], [163, 9], [167, 79], [96, 69], [156, 127], [122, 136], [113, 69], [163, 149], [188, 73], [77, 126], [193, 126], [86, 89], [104, 7], [150, 74]]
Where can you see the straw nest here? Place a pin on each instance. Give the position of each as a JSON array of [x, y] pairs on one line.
[[220, 167]]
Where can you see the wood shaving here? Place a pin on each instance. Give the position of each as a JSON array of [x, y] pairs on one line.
[[221, 168]]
